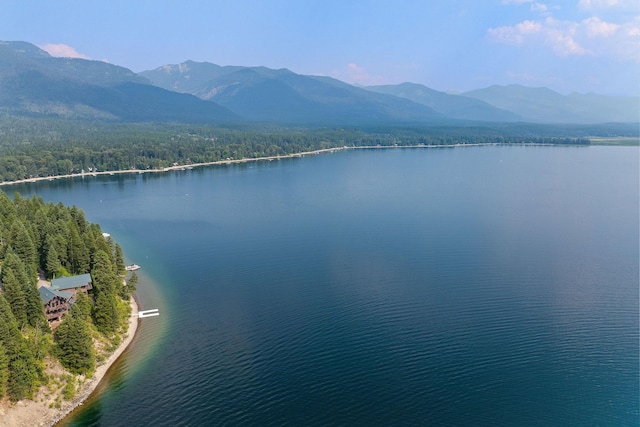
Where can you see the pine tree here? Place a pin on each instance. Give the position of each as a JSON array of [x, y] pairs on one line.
[[130, 287], [118, 260], [105, 314], [78, 254], [83, 305], [104, 278], [9, 331], [4, 370], [74, 345], [23, 374], [53, 262], [15, 296], [7, 209], [35, 306], [23, 246], [26, 303], [13, 263]]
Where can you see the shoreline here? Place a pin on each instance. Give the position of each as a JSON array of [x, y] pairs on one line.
[[37, 412], [246, 160], [172, 168]]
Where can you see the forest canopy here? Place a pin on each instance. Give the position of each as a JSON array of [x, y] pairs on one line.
[[42, 147], [47, 240]]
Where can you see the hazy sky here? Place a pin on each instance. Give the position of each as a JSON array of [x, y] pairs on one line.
[[450, 45]]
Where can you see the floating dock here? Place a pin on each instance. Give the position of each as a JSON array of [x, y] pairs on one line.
[[147, 313]]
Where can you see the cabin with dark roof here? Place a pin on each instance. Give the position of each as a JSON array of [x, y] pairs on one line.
[[75, 283], [59, 297], [56, 303]]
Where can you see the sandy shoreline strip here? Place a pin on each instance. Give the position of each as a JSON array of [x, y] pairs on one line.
[[172, 168], [257, 159], [227, 162], [38, 413]]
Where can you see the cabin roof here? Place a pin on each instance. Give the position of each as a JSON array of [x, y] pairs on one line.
[[47, 294], [71, 282]]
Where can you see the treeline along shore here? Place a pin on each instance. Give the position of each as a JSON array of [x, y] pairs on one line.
[[66, 301], [46, 148]]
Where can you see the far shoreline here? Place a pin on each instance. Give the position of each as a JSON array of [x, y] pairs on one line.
[[168, 168], [256, 159]]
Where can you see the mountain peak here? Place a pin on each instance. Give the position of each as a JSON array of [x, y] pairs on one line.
[[279, 95]]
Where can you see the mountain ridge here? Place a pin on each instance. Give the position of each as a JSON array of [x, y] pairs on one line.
[[511, 103], [455, 106], [544, 105], [32, 82], [264, 94]]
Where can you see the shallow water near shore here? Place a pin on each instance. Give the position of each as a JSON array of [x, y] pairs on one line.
[[458, 286]]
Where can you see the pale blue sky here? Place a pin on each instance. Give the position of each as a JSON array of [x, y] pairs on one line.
[[450, 45]]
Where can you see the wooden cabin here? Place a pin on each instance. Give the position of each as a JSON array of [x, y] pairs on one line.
[[59, 297], [73, 283], [56, 303]]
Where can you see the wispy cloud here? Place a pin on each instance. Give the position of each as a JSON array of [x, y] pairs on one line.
[[613, 5], [62, 50], [596, 4], [515, 34], [539, 8], [591, 36], [596, 27]]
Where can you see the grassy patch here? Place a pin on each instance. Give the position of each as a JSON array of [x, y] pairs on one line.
[[70, 388]]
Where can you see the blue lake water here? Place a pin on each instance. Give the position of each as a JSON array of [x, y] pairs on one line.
[[452, 286]]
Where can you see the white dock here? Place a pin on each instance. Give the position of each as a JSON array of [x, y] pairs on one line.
[[147, 313]]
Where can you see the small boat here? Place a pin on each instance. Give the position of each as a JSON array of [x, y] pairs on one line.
[[132, 267]]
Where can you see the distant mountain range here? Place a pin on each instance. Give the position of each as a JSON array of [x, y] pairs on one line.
[[266, 95], [544, 105], [34, 83], [454, 106]]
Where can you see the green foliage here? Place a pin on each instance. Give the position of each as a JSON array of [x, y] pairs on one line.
[[74, 345], [4, 370], [9, 331], [53, 262], [35, 306], [118, 264], [61, 272], [59, 147], [83, 306], [105, 313], [40, 339], [77, 252], [52, 238], [23, 374], [14, 296], [69, 389], [131, 286], [23, 246], [7, 209], [21, 292]]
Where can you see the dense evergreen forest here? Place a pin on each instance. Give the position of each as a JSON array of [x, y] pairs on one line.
[[40, 147], [53, 240]]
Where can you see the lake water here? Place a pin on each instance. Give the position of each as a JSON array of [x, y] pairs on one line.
[[455, 286]]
